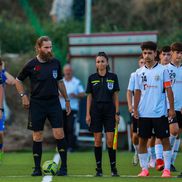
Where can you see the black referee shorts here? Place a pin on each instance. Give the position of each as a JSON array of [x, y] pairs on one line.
[[102, 116], [159, 125], [41, 109]]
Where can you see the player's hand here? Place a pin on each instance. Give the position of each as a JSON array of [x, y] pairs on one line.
[[68, 108], [135, 114], [171, 113], [117, 118], [25, 102], [88, 119]]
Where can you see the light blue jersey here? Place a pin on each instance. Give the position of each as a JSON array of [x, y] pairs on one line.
[[152, 83], [175, 74]]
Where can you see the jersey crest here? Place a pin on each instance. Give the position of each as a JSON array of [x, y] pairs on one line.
[[157, 77], [110, 85], [55, 74]]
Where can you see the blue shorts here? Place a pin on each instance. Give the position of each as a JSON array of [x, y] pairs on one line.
[[2, 121]]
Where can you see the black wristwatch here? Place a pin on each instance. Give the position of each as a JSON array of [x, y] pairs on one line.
[[117, 113], [22, 94]]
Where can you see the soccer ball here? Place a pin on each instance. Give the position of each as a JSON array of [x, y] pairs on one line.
[[50, 167]]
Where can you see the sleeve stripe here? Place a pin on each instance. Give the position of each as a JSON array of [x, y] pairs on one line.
[[167, 84]]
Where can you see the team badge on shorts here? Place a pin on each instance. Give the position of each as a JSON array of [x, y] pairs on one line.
[[110, 85], [55, 74]]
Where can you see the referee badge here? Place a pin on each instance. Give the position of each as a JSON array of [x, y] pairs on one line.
[[110, 85], [55, 74]]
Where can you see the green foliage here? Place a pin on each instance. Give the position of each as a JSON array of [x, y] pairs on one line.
[[19, 37], [18, 33]]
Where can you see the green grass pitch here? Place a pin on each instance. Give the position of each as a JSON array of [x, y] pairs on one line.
[[17, 167]]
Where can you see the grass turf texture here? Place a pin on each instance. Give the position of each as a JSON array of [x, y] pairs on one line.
[[81, 167]]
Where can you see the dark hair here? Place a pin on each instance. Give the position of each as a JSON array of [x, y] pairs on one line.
[[176, 46], [149, 45], [40, 40], [165, 49], [103, 54]]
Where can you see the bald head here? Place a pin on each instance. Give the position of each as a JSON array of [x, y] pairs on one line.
[[68, 71]]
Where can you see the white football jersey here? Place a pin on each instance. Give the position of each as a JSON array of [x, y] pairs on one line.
[[175, 74], [152, 83]]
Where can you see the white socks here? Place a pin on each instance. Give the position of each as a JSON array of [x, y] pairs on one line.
[[172, 140], [159, 151], [175, 150], [143, 160], [167, 159]]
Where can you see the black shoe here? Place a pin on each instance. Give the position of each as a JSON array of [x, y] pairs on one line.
[[37, 172], [62, 172], [114, 172], [172, 168], [180, 175], [98, 172]]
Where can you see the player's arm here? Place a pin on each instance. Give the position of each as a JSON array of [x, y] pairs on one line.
[[129, 94], [168, 89], [116, 104], [1, 101], [171, 102], [62, 89], [89, 101], [10, 79], [137, 95], [130, 90]]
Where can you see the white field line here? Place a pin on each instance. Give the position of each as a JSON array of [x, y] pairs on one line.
[[48, 178], [86, 176]]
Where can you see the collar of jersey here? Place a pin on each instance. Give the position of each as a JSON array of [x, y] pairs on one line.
[[104, 75], [153, 66], [175, 65]]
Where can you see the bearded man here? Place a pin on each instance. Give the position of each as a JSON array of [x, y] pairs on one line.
[[44, 73]]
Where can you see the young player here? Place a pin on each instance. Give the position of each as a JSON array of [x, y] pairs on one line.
[[150, 106], [130, 100], [10, 80], [165, 58], [175, 72]]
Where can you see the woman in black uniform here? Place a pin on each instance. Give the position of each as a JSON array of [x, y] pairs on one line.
[[103, 109]]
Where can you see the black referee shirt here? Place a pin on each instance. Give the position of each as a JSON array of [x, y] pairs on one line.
[[43, 78], [102, 88]]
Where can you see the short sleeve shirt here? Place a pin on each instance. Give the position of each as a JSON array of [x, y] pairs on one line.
[[43, 77], [131, 85], [102, 88], [152, 83], [175, 74], [72, 86]]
